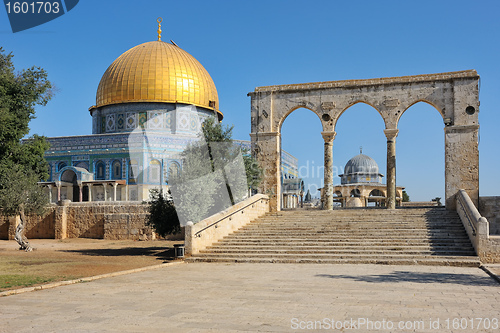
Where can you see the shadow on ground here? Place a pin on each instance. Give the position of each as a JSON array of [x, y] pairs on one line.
[[419, 277], [161, 253]]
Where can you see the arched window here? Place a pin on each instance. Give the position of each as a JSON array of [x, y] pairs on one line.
[[154, 171], [117, 169], [83, 165], [133, 171], [61, 165], [174, 170], [377, 193], [100, 170], [356, 193]]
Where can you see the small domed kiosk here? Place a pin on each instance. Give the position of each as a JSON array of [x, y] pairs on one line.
[[361, 184]]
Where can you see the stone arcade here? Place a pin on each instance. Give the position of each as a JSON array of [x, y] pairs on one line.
[[454, 95]]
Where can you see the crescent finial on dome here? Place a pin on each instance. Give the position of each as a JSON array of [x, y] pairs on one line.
[[159, 20]]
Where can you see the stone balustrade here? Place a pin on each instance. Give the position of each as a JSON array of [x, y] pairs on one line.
[[487, 247], [212, 229]]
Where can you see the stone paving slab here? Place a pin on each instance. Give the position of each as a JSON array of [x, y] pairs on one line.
[[217, 297]]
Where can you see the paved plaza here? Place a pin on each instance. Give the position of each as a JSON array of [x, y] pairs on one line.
[[217, 297]]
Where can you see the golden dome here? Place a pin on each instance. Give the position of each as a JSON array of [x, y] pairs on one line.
[[157, 72]]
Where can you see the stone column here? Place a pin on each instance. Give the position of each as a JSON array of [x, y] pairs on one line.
[[80, 192], [50, 193], [105, 191], [58, 184], [328, 175], [391, 135], [90, 192], [115, 185]]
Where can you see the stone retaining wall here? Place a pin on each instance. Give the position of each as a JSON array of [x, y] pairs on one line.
[[489, 207], [106, 220]]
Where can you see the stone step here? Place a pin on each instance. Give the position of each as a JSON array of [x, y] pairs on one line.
[[404, 236], [348, 246], [316, 227], [347, 242], [367, 223], [330, 235], [339, 251], [456, 262]]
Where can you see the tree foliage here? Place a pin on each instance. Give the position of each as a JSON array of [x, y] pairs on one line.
[[22, 164], [215, 175], [162, 215], [438, 201], [406, 197]]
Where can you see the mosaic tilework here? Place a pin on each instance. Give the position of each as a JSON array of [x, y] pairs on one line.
[[95, 124], [182, 121], [168, 120], [193, 123], [120, 121], [110, 123], [131, 120], [103, 124], [143, 118], [155, 120]]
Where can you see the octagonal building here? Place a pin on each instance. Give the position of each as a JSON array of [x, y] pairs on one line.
[[150, 104]]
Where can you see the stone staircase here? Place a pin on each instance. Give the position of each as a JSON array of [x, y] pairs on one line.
[[407, 236]]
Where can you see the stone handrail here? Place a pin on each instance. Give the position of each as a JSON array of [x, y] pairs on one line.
[[212, 229], [477, 227]]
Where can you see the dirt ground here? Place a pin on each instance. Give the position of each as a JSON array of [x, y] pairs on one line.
[[58, 260]]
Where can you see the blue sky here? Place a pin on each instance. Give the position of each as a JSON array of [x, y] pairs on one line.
[[245, 44]]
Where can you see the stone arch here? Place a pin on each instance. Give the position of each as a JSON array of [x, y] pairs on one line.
[[289, 112], [376, 193], [355, 193], [335, 121], [456, 94], [441, 113], [69, 176]]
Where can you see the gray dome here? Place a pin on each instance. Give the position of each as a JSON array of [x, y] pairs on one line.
[[361, 164]]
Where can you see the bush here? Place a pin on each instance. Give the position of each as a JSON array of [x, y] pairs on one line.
[[162, 216]]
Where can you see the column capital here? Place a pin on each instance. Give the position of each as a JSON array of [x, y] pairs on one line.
[[328, 136], [391, 133]]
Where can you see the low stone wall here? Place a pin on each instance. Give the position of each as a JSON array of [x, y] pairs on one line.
[[4, 227], [487, 247], [489, 207], [127, 226], [102, 220], [212, 229]]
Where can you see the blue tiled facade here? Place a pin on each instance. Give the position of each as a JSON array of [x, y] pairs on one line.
[[134, 147]]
